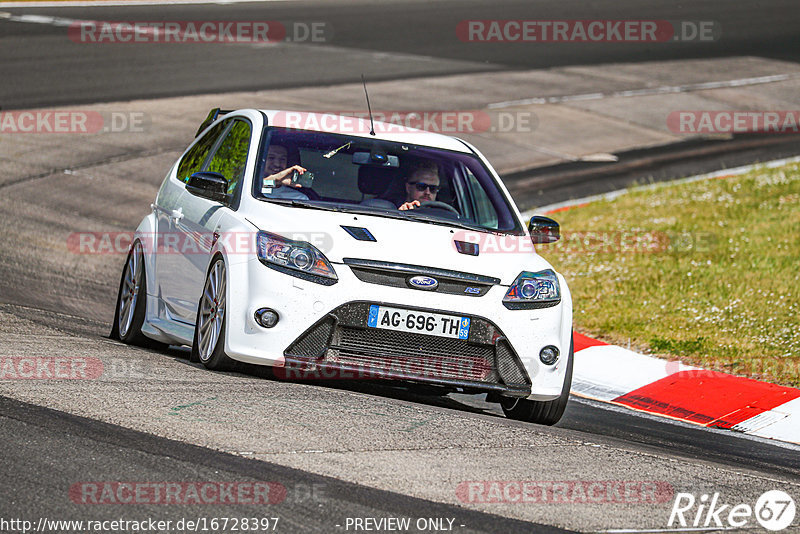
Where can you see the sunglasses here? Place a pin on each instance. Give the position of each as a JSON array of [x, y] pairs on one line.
[[422, 186]]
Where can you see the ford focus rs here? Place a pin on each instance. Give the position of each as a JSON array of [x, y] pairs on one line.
[[322, 248]]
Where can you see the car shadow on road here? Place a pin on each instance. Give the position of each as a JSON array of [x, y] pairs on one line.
[[430, 395]]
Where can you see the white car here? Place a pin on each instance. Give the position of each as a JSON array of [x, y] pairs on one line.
[[328, 278]]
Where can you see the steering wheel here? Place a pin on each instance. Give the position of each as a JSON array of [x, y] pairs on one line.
[[439, 205]]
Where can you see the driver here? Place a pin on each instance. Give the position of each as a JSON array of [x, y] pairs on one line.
[[421, 185], [277, 177]]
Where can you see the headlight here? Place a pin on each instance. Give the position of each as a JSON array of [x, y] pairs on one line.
[[533, 290], [296, 258]]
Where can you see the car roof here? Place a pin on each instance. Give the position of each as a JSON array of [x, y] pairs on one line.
[[360, 127]]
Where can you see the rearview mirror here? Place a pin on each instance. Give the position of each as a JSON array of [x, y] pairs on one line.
[[544, 230], [376, 158], [210, 185]]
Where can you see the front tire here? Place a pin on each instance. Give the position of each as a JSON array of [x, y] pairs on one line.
[[208, 345], [541, 412]]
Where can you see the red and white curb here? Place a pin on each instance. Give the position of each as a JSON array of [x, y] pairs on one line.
[[613, 374]]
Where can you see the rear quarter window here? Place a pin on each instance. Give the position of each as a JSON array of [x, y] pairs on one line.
[[194, 159], [231, 157]]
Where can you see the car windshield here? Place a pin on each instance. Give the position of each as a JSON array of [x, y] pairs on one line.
[[355, 174]]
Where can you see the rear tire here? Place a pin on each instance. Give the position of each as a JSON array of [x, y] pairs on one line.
[[541, 412], [131, 307], [208, 346]]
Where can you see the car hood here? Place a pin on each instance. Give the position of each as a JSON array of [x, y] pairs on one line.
[[400, 241]]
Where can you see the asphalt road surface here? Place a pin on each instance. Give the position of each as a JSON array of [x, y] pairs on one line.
[[340, 451], [93, 451], [383, 40]]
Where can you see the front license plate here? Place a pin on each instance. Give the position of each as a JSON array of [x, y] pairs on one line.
[[433, 324]]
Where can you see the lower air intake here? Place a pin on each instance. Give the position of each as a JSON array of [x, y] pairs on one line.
[[343, 340]]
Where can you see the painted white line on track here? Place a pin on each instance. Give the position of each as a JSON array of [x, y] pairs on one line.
[[100, 3], [735, 171], [39, 19], [664, 89]]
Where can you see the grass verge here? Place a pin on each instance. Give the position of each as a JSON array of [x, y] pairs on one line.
[[705, 272]]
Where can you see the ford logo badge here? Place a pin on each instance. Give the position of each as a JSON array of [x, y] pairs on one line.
[[423, 282]]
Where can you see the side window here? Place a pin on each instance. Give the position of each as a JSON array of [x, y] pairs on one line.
[[231, 157], [193, 161]]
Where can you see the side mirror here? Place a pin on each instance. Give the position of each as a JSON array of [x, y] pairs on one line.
[[210, 185], [544, 230]]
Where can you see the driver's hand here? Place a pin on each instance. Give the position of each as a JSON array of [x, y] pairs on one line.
[[284, 177], [410, 205]]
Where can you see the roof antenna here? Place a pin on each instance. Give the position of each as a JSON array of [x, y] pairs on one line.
[[371, 124]]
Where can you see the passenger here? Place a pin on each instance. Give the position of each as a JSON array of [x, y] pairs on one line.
[[421, 185], [277, 177]]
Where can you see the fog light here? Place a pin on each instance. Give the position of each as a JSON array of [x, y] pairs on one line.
[[548, 355], [266, 317]]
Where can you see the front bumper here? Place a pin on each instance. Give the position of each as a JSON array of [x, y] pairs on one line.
[[341, 344], [511, 338]]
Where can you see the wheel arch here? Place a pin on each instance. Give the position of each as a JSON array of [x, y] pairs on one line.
[[566, 315], [146, 234]]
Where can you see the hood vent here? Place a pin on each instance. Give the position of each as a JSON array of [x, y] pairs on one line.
[[463, 247], [362, 234]]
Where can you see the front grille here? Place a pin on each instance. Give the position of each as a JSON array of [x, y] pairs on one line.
[[413, 354], [342, 340], [397, 275], [393, 279]]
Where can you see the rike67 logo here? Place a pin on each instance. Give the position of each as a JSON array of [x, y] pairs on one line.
[[774, 510]]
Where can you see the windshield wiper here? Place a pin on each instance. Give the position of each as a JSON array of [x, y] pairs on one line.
[[310, 205], [302, 204], [444, 222], [378, 212]]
